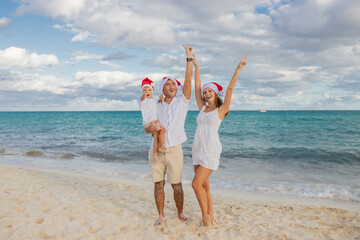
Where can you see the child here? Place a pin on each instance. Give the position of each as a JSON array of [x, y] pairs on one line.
[[149, 113]]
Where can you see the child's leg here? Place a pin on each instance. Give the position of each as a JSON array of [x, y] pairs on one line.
[[156, 144], [162, 140]]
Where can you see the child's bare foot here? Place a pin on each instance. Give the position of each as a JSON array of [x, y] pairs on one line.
[[162, 149], [156, 154]]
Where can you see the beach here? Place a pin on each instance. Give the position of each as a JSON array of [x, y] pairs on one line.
[[53, 204]]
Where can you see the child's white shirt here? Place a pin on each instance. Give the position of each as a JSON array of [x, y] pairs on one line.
[[148, 110]]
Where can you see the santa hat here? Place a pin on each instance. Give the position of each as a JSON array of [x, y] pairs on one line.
[[214, 86], [146, 82], [177, 83]]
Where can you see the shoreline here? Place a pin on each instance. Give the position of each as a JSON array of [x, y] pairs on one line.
[[85, 207], [353, 206]]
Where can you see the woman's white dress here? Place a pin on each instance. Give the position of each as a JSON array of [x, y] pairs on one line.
[[207, 147]]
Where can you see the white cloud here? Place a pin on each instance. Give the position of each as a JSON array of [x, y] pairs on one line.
[[108, 63], [164, 60], [4, 22], [19, 82], [319, 19], [115, 80], [110, 22], [297, 49], [118, 56], [64, 9], [20, 58], [80, 56], [81, 36], [99, 104]]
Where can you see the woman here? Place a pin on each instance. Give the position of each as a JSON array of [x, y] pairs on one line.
[[206, 146]]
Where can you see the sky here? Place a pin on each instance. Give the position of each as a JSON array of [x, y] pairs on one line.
[[91, 55]]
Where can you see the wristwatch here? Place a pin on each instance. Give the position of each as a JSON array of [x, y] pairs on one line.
[[189, 59]]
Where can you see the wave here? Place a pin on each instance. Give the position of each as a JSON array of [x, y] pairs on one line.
[[34, 153], [322, 191], [296, 153], [67, 156]]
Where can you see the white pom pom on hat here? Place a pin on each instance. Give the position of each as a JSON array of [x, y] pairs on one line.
[[177, 83], [214, 86]]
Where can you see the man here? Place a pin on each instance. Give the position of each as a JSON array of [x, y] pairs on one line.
[[171, 114]]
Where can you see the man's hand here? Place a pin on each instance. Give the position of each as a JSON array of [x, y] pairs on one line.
[[188, 50]]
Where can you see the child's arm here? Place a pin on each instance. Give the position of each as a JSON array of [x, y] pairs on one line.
[[161, 98], [143, 96]]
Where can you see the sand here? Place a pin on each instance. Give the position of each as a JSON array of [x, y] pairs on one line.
[[49, 204]]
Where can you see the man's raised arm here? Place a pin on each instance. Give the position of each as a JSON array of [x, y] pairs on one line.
[[189, 71]]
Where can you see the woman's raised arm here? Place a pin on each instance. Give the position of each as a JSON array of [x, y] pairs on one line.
[[199, 100], [224, 109]]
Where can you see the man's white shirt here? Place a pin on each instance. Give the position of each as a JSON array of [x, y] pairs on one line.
[[172, 116]]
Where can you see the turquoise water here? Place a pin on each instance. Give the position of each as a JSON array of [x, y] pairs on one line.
[[299, 153]]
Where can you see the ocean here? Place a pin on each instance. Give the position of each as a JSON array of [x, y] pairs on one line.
[[311, 154]]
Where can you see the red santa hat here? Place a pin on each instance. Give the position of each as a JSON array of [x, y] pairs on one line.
[[177, 83], [214, 86], [146, 82]]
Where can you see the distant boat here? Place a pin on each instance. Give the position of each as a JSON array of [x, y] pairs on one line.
[[262, 110]]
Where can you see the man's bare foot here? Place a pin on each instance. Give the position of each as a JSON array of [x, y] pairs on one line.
[[162, 149], [160, 224], [183, 218]]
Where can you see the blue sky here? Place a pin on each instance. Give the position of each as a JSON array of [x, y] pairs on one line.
[[77, 55]]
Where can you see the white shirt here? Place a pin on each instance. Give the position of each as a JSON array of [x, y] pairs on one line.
[[148, 110], [172, 116]]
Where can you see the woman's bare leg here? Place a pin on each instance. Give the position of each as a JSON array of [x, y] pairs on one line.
[[201, 176], [206, 187]]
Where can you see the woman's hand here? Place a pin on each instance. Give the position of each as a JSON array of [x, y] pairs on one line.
[[194, 61], [242, 62], [188, 50]]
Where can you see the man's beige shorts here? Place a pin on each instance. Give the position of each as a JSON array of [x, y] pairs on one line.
[[170, 162]]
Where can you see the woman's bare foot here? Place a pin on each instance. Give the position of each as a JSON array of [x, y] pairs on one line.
[[206, 221], [212, 219]]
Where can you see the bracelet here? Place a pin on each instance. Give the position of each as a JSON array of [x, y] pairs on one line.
[[189, 59]]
